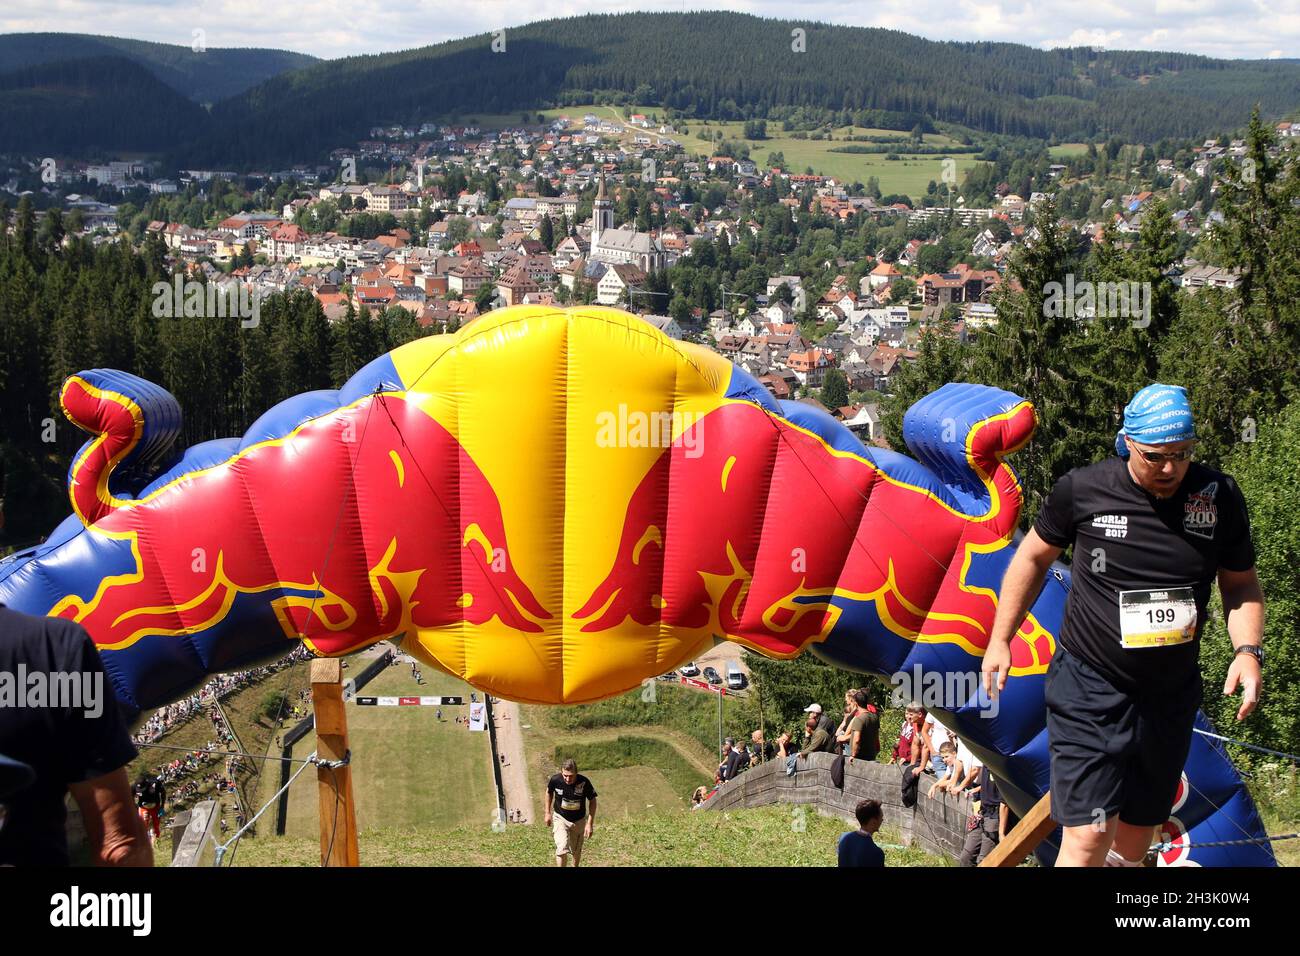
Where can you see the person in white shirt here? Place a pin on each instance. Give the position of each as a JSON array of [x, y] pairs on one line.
[[971, 765], [953, 771], [938, 735]]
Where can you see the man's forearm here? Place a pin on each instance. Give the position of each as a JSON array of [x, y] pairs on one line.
[[1244, 613], [1020, 585], [591, 810], [114, 829]]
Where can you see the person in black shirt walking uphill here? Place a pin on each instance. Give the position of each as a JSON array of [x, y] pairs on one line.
[[568, 794], [1151, 531]]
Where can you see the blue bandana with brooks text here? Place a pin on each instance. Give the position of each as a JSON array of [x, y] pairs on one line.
[[1159, 414]]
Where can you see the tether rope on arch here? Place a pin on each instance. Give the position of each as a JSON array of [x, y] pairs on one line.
[[1242, 743], [329, 549]]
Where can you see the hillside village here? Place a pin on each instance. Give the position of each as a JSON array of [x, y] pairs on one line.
[[547, 230]]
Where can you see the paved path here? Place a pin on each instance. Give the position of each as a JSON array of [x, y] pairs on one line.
[[514, 772]]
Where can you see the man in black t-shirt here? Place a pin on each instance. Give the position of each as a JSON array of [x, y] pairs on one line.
[[150, 796], [1151, 532], [79, 745], [570, 799]]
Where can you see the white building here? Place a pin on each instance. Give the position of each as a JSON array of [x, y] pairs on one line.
[[616, 284], [616, 246]]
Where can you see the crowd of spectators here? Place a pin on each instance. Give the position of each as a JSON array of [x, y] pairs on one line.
[[926, 746], [173, 715], [187, 764], [855, 737], [925, 749], [191, 775]]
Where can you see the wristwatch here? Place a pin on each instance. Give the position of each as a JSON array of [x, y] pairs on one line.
[[1254, 650]]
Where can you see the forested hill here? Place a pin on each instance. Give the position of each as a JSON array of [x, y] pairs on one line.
[[205, 76], [726, 66], [98, 104]]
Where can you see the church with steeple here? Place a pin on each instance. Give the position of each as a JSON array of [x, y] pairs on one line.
[[612, 246]]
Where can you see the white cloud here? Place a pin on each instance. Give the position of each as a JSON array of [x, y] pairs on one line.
[[332, 28]]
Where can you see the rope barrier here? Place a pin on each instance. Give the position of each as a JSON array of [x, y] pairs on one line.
[[1242, 743], [222, 847], [223, 753], [1255, 840]]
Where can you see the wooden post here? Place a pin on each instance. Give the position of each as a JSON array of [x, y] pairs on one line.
[[338, 819], [1025, 836]]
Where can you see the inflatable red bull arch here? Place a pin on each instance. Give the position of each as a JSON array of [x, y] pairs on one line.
[[555, 505]]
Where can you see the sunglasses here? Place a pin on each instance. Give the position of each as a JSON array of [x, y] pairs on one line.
[[1159, 458]]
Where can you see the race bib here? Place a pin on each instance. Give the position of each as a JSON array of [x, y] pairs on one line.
[[1156, 618], [569, 804]]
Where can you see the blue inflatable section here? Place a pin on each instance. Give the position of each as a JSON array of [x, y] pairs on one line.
[[161, 415]]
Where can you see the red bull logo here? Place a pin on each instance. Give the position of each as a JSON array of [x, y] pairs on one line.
[[433, 553], [766, 536]]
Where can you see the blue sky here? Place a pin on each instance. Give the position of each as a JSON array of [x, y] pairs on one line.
[[332, 28]]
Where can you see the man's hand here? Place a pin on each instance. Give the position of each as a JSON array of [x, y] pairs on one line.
[[916, 772], [1244, 673], [996, 666], [1243, 609], [588, 828]]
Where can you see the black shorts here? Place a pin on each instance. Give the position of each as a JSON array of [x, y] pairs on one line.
[[1111, 751]]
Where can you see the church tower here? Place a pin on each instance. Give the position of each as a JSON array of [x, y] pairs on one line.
[[602, 214]]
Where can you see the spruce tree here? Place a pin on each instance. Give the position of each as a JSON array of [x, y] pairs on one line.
[[1029, 353]]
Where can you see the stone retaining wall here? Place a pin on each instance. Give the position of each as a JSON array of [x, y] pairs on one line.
[[938, 826]]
